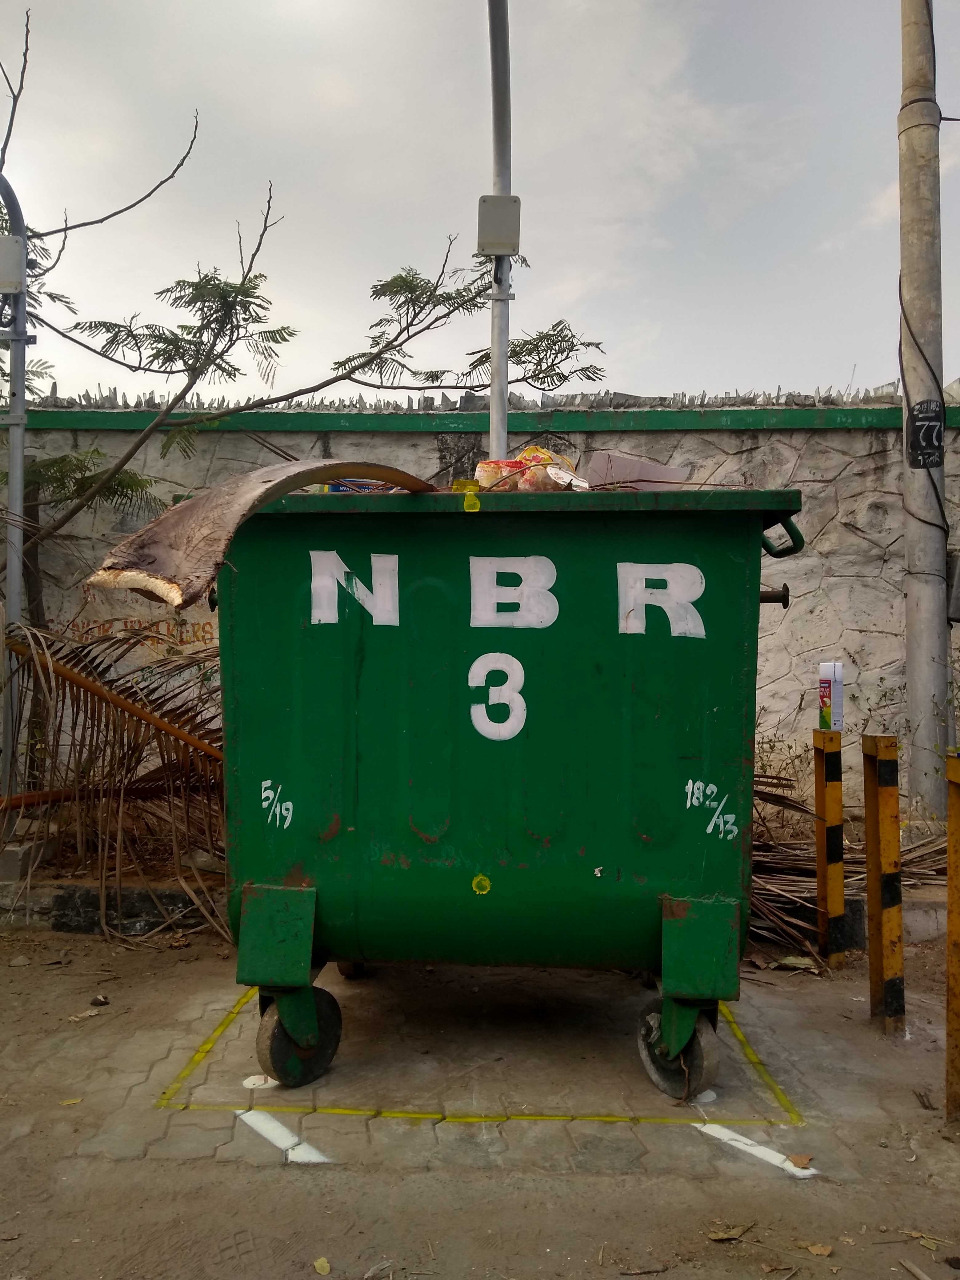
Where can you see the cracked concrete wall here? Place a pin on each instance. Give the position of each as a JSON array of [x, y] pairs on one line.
[[845, 587]]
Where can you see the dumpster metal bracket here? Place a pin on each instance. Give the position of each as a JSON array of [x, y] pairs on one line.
[[678, 1021], [297, 1011], [276, 936], [701, 948]]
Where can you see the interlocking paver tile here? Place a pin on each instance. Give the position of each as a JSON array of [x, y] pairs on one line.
[[342, 1139], [126, 1135], [194, 1141], [601, 1147], [408, 1143], [537, 1144], [478, 1146]]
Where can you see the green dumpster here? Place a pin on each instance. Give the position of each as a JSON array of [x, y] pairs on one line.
[[514, 735]]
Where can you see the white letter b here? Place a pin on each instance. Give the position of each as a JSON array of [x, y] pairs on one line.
[[537, 606]]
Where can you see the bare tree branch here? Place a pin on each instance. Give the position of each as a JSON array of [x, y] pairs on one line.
[[15, 94], [266, 224], [45, 271], [96, 222]]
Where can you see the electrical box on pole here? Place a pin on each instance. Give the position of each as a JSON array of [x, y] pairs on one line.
[[13, 265], [498, 226]]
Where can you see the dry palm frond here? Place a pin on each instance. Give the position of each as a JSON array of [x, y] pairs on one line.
[[119, 760], [783, 900]]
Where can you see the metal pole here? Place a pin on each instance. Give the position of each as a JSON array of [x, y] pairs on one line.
[[16, 420], [925, 541], [500, 295]]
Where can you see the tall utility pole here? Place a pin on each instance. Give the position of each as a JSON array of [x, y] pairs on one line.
[[16, 418], [925, 534], [13, 285], [500, 294]]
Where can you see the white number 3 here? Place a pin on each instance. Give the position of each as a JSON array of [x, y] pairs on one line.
[[507, 694]]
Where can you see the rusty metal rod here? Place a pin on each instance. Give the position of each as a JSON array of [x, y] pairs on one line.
[[771, 596]]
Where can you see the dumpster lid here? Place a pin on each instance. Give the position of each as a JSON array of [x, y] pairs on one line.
[[773, 505]]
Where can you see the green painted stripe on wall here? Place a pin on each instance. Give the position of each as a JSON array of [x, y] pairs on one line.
[[561, 421]]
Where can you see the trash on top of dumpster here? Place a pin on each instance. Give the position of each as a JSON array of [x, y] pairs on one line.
[[533, 470]]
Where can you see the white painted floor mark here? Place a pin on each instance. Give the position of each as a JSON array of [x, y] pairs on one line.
[[705, 1098], [260, 1082], [303, 1153], [749, 1147], [294, 1150]]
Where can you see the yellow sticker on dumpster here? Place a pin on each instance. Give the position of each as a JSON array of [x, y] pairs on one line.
[[481, 884]]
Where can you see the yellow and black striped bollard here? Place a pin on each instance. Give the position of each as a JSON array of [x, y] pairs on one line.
[[828, 790], [881, 804]]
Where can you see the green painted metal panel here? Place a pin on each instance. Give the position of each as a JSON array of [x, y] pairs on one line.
[[276, 928], [701, 948], [678, 1021], [525, 423], [771, 505], [362, 653]]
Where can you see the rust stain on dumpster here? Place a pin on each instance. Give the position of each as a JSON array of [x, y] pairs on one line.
[[674, 908]]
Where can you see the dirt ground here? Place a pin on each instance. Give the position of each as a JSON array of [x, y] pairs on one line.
[[97, 1182]]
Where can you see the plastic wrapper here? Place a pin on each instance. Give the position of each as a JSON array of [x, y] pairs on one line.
[[502, 472], [533, 470]]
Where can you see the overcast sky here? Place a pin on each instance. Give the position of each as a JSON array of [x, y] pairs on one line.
[[708, 187]]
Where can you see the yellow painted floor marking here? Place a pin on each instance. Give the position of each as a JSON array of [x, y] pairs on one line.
[[759, 1067], [369, 1113], [166, 1098], [180, 1079]]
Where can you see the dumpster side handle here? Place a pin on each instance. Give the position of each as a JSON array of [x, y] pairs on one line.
[[790, 549]]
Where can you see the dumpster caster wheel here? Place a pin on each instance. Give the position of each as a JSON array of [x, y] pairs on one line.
[[692, 1070], [280, 1056], [352, 969]]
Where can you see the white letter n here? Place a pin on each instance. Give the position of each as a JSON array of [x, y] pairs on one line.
[[381, 601]]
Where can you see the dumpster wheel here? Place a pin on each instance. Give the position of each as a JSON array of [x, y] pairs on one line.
[[693, 1069], [280, 1056]]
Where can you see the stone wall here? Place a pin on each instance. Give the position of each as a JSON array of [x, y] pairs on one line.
[[845, 587]]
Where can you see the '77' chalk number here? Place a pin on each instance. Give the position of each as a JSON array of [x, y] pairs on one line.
[[700, 794], [270, 800]]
